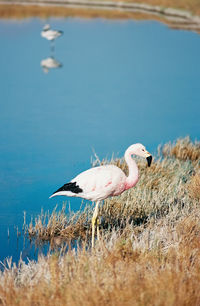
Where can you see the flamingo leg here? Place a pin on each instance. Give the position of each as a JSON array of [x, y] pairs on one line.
[[94, 219], [98, 222]]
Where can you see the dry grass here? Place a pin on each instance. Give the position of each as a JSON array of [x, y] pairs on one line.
[[43, 12], [118, 272], [22, 11], [57, 224], [194, 187], [26, 11], [183, 149], [149, 252], [189, 5]]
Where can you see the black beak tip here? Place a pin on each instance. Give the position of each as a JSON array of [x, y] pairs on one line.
[[149, 160]]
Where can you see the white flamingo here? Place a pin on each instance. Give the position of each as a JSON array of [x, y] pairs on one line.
[[101, 182]]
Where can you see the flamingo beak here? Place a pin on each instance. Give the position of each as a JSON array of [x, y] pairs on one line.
[[148, 158]]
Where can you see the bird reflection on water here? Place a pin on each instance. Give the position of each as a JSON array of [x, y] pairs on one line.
[[50, 34], [50, 62]]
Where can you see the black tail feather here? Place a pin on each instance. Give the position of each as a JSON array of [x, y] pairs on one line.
[[70, 187]]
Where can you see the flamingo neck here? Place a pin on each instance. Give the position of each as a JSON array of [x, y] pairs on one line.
[[133, 176]]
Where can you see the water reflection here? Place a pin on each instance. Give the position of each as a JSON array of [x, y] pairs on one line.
[[49, 63], [50, 34]]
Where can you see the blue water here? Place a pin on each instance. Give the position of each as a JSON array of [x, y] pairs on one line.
[[120, 82]]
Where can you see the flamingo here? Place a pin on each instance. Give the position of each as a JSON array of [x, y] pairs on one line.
[[99, 183]]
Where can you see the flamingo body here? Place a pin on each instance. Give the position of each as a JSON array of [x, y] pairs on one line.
[[95, 184]]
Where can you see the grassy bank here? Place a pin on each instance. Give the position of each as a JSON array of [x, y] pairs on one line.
[[125, 9], [149, 252], [15, 11], [192, 6], [189, 5]]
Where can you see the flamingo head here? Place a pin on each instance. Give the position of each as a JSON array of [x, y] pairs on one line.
[[140, 150]]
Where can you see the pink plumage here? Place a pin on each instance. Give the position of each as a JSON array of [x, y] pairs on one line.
[[101, 182]]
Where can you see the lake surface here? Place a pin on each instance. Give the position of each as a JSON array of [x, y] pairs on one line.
[[119, 82]]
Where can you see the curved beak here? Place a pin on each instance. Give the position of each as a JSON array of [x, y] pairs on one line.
[[148, 158]]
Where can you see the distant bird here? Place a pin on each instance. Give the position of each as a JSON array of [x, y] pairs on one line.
[[101, 182], [50, 34], [49, 63]]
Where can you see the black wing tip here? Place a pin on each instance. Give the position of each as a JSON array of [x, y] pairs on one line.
[[71, 186]]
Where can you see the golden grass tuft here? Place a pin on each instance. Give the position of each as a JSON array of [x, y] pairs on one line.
[[58, 227], [148, 254], [183, 149], [190, 5], [194, 187]]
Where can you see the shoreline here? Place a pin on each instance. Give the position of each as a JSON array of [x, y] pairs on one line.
[[175, 18]]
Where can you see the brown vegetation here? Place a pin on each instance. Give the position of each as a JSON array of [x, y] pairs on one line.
[[148, 254], [189, 5], [22, 11], [26, 11], [183, 149], [116, 273], [194, 187]]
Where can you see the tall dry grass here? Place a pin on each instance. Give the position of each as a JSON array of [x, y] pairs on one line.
[[183, 149], [30, 10], [16, 11], [190, 5], [148, 254]]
